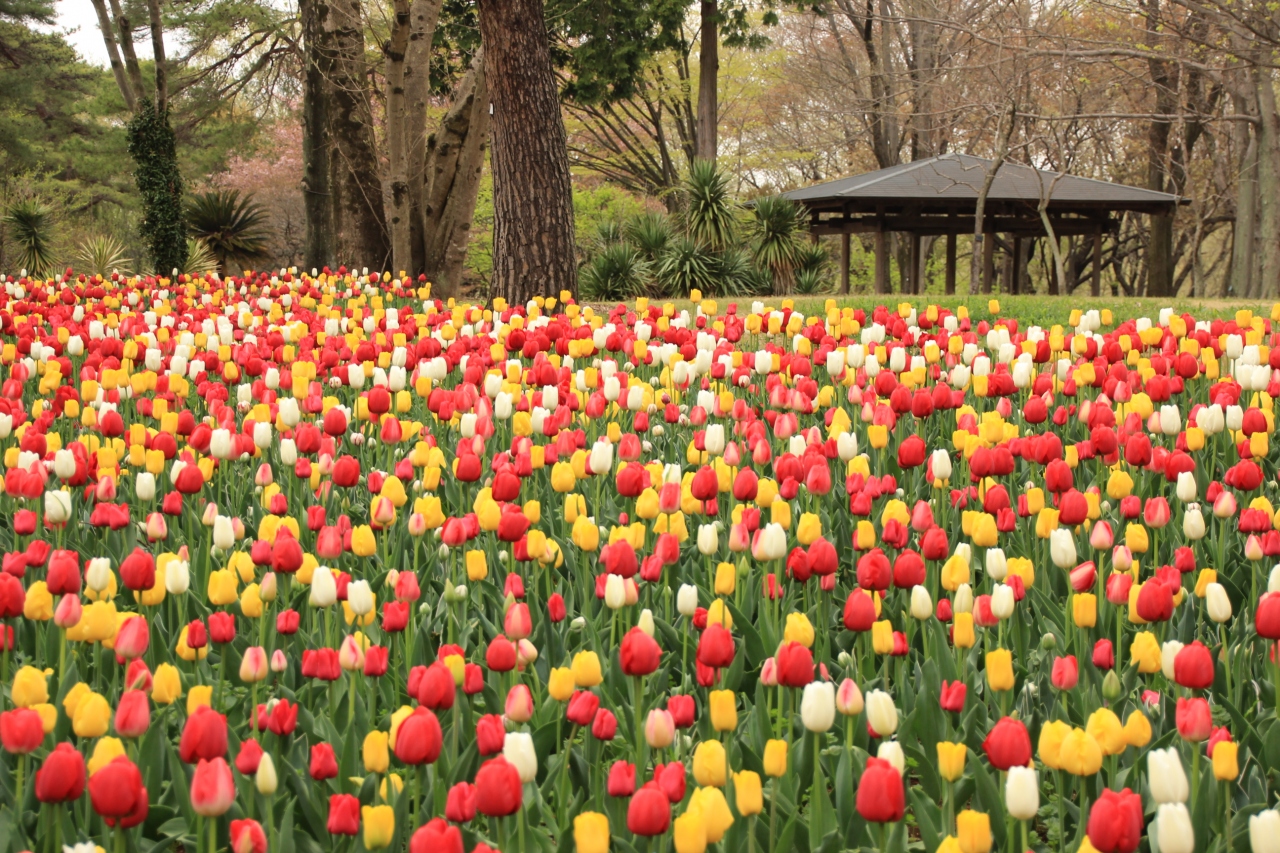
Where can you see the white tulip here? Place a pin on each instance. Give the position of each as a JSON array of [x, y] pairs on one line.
[[224, 535], [97, 575], [265, 780], [1165, 776], [1002, 601], [64, 464], [517, 748], [708, 539], [57, 507], [324, 588], [686, 600], [177, 577], [882, 714], [1062, 548], [615, 592], [962, 601], [1022, 793], [1173, 829], [220, 444], [1170, 420], [1264, 832], [360, 597], [818, 706], [921, 603], [891, 751], [1186, 488], [1193, 524], [1168, 652], [996, 564], [941, 462], [713, 439], [601, 459], [1217, 603]]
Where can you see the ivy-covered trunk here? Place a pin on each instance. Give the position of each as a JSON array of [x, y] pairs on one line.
[[154, 151]]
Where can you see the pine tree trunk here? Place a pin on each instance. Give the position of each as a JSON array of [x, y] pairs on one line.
[[360, 236], [708, 81], [454, 162], [1243, 231], [317, 203], [398, 200], [533, 240], [108, 30], [132, 68], [1268, 186]]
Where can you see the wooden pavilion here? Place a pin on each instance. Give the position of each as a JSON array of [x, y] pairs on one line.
[[938, 197]]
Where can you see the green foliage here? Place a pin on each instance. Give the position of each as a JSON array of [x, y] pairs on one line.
[[711, 214], [233, 227], [777, 227], [102, 255], [616, 273], [154, 152], [686, 265], [30, 224], [200, 258], [605, 44], [650, 233]]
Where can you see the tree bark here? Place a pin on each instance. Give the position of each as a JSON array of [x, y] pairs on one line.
[[398, 200], [161, 64], [708, 81], [1160, 240], [533, 240], [132, 68], [1268, 185], [423, 17], [1244, 231], [318, 242], [360, 237], [980, 253], [108, 30], [455, 159]]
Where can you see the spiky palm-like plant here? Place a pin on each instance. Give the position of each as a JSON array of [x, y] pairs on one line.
[[30, 224], [102, 255], [234, 228], [711, 214], [617, 273], [778, 225]]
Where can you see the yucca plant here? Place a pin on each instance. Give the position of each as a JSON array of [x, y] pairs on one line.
[[711, 214], [102, 255], [617, 273], [777, 228], [234, 228], [30, 224], [200, 258], [650, 233], [686, 266]]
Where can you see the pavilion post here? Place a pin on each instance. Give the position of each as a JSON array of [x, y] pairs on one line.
[[951, 263], [1095, 279], [913, 244], [988, 260], [882, 261], [1015, 271], [844, 261]]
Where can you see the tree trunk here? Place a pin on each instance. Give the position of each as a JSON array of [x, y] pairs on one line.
[[157, 50], [317, 201], [360, 237], [1268, 186], [423, 17], [980, 253], [1243, 233], [455, 158], [533, 239], [132, 68], [1160, 240], [708, 81], [398, 201], [108, 30]]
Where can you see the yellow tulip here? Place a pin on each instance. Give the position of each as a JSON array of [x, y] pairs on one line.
[[1084, 609], [166, 684], [38, 606], [222, 587], [882, 637], [585, 534], [799, 630], [1137, 730], [591, 833], [709, 764], [1104, 726], [748, 794], [106, 750], [809, 528], [1000, 670], [1225, 766], [1080, 754], [374, 752], [726, 579], [379, 826], [962, 635], [951, 758], [1145, 652], [973, 831], [92, 716], [200, 695], [724, 710], [716, 817], [560, 684], [689, 832], [586, 670], [1052, 735], [30, 687], [365, 544], [775, 758]]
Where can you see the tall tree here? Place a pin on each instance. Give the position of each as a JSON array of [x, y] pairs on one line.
[[533, 251]]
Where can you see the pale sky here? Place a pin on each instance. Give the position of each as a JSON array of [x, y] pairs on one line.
[[78, 21]]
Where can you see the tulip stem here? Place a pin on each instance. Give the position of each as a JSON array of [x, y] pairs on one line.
[[213, 836], [1195, 775]]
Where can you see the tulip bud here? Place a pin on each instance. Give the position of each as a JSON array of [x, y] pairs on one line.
[[882, 714], [1217, 603], [1186, 488], [687, 600], [177, 576], [1193, 524], [1062, 548], [360, 597], [891, 751], [659, 729], [849, 698], [645, 622], [615, 592], [265, 780], [1174, 833], [324, 589], [1002, 601], [1264, 832], [57, 507], [279, 663], [97, 576], [818, 706], [1111, 686], [518, 749], [1022, 793], [996, 564], [253, 666]]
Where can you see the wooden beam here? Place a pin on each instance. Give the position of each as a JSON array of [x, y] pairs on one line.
[[844, 261], [988, 260], [913, 249], [882, 263], [1015, 274], [1095, 283], [951, 264]]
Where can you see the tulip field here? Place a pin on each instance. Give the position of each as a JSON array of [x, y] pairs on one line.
[[319, 564]]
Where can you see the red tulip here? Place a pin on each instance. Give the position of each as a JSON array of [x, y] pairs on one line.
[[1115, 822], [794, 665], [138, 571], [639, 653], [344, 814], [222, 628], [204, 737], [321, 664], [582, 708], [1066, 672], [622, 779], [247, 837], [63, 575], [460, 804], [1195, 720], [499, 791], [249, 757], [133, 714], [212, 788], [61, 778], [21, 731], [715, 647], [859, 611], [1155, 601], [501, 655], [682, 710], [436, 837], [1193, 667], [324, 764], [880, 795], [1267, 616], [419, 738], [436, 688], [605, 725], [873, 571], [1008, 744], [953, 696], [649, 812], [133, 638], [117, 793], [491, 732]]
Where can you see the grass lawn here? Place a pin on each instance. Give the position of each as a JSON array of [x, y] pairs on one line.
[[1027, 310]]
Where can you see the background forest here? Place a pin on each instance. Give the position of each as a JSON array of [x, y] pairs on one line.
[[679, 118]]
